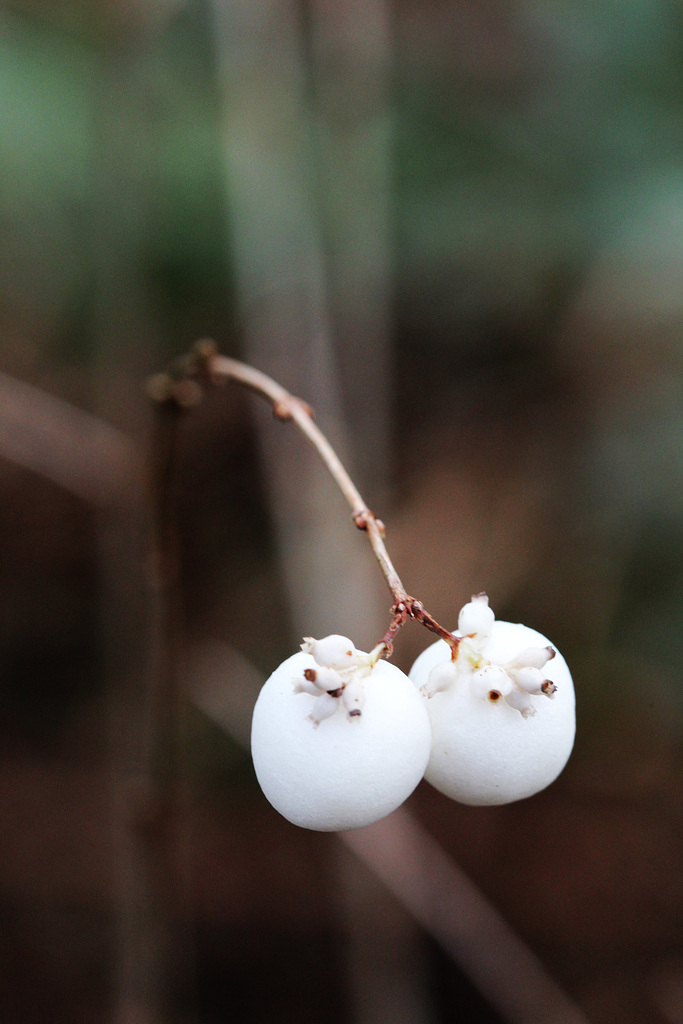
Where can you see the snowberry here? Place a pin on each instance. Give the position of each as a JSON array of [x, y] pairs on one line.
[[502, 712], [338, 739]]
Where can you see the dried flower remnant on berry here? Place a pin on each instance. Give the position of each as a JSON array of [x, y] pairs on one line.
[[491, 683], [514, 680], [476, 618], [338, 678]]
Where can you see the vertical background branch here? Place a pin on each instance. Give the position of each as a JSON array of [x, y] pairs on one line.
[[307, 179], [273, 181]]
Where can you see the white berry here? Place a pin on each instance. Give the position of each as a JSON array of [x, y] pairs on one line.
[[331, 762], [492, 744]]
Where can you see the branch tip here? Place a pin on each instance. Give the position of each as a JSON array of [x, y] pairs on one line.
[[204, 350]]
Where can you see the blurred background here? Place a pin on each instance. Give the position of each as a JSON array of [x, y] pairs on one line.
[[456, 229]]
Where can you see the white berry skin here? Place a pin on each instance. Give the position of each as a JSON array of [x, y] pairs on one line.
[[345, 772], [485, 752]]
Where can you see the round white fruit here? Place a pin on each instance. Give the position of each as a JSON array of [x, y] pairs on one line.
[[348, 770], [486, 751]]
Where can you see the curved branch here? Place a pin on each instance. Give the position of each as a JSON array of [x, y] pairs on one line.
[[179, 385]]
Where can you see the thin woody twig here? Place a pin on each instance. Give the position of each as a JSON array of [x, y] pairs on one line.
[[288, 407], [206, 363]]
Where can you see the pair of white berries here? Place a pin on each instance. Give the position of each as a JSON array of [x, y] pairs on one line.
[[341, 738]]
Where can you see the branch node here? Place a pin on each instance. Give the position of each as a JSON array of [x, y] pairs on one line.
[[360, 518], [204, 353], [282, 411], [284, 408]]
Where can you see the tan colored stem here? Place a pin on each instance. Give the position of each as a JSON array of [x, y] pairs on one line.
[[179, 386], [288, 407]]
